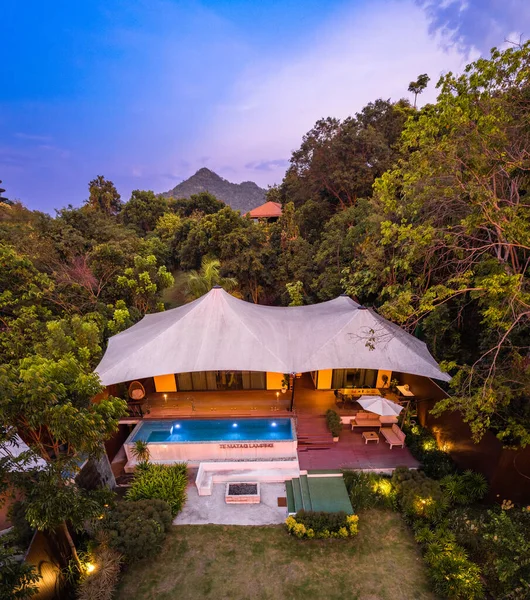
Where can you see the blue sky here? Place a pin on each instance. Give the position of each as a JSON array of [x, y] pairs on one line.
[[145, 92]]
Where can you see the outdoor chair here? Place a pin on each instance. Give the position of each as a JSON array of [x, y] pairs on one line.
[[136, 391]]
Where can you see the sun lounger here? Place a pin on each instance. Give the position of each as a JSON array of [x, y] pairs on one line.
[[394, 436]]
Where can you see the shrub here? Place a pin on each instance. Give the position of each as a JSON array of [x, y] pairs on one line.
[[418, 496], [466, 488], [165, 482], [101, 583], [321, 525], [137, 528], [506, 539], [435, 462], [334, 422], [369, 490], [453, 575]]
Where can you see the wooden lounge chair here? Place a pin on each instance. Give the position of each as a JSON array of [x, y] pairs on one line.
[[394, 436]]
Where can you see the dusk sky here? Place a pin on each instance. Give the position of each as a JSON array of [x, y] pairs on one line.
[[145, 92]]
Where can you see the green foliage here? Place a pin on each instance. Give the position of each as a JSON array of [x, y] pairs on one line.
[[467, 488], [140, 451], [104, 196], [137, 529], [201, 282], [423, 446], [333, 421], [453, 575], [144, 282], [101, 583], [296, 293], [369, 490], [143, 210], [165, 482], [322, 525], [18, 580], [419, 497]]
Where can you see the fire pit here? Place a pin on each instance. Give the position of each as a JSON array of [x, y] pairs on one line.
[[242, 493]]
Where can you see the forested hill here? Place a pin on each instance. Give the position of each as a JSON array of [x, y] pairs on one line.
[[239, 196]]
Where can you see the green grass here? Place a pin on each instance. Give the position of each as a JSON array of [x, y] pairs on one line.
[[236, 563]]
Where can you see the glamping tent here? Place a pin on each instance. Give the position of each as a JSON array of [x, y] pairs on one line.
[[218, 332]]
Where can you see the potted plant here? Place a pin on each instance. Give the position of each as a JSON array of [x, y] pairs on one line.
[[393, 385], [334, 423]]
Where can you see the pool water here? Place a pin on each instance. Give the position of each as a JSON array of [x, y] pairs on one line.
[[214, 430]]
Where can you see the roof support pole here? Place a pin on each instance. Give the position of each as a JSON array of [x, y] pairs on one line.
[[292, 392]]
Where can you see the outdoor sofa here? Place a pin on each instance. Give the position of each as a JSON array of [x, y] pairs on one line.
[[394, 436], [365, 419]]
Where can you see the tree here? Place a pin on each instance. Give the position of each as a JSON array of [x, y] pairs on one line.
[[296, 293], [417, 87], [201, 282], [104, 196], [339, 161], [452, 249], [144, 283], [143, 210], [203, 202], [48, 403]]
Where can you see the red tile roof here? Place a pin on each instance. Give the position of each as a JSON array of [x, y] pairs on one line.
[[265, 211]]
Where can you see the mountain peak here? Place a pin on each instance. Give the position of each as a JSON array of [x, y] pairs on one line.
[[239, 196]]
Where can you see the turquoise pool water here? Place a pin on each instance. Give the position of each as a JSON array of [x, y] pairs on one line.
[[214, 430]]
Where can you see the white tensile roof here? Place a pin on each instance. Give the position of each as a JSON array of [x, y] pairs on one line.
[[218, 332]]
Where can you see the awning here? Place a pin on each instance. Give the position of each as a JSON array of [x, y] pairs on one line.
[[218, 332]]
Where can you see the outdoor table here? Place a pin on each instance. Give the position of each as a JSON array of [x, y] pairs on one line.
[[370, 436]]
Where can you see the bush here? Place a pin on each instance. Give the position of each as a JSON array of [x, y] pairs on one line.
[[165, 482], [369, 490], [466, 488], [137, 528], [101, 583], [321, 525], [334, 422], [453, 575], [418, 496], [435, 462]]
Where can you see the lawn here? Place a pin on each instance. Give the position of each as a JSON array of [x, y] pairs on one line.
[[231, 562]]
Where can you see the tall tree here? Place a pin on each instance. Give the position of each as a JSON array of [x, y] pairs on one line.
[[104, 196], [452, 250], [417, 87]]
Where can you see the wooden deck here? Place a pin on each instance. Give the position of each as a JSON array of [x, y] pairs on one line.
[[316, 449]]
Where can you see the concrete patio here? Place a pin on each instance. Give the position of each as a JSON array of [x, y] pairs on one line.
[[204, 510]]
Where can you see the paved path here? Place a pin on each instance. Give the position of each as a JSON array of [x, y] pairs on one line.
[[203, 510]]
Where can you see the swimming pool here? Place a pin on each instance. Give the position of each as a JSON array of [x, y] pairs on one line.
[[213, 430]]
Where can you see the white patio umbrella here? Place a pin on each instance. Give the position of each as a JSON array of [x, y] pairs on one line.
[[380, 406]]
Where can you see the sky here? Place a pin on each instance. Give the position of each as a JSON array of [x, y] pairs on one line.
[[146, 92]]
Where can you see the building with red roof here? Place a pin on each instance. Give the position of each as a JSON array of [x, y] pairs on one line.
[[270, 211]]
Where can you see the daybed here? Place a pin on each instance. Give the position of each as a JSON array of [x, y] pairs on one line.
[[394, 436]]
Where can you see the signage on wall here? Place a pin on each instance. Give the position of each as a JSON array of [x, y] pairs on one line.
[[230, 446]]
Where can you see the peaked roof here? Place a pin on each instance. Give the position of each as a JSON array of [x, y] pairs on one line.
[[267, 210], [218, 332]]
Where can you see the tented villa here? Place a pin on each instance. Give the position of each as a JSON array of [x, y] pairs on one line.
[[240, 390]]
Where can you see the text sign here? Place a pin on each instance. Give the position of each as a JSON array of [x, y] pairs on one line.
[[229, 446]]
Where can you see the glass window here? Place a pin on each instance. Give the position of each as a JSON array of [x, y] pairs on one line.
[[354, 378]]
